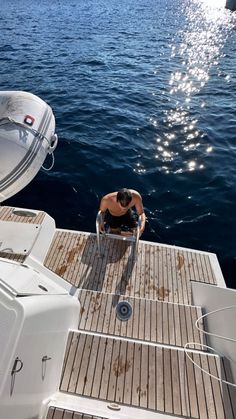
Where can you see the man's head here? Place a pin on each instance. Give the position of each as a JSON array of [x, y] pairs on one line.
[[124, 197]]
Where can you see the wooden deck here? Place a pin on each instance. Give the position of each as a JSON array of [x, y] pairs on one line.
[[7, 214], [152, 321], [57, 413], [145, 376], [159, 273]]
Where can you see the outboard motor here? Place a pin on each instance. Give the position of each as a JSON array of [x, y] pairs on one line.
[[27, 135]]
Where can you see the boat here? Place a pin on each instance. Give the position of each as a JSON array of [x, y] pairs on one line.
[[102, 326]]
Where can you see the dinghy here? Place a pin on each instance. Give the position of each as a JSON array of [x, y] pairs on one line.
[[27, 135]]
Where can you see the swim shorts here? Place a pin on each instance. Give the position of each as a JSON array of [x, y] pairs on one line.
[[124, 222]]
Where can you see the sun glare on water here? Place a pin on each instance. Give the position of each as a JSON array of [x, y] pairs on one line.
[[214, 3], [195, 51]]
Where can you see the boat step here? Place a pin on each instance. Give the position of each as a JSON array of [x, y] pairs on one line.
[[145, 376], [153, 321], [160, 272], [58, 413]]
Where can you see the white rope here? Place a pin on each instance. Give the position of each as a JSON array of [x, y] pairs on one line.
[[202, 369], [47, 169], [208, 314], [209, 347]]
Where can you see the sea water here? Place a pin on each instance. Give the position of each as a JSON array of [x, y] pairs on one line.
[[144, 95]]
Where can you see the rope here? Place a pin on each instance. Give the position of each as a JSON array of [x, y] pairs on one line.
[[213, 312], [202, 369], [47, 169], [209, 347]]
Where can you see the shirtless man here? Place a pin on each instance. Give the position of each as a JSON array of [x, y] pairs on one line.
[[116, 211]]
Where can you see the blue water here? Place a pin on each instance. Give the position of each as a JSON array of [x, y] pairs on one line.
[[144, 95]]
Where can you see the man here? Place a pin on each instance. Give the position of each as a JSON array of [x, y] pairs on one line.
[[116, 211]]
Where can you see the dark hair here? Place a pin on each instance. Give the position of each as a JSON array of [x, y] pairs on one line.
[[124, 196]]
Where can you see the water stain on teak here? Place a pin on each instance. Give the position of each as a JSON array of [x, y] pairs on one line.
[[70, 258], [163, 293], [180, 262], [120, 367], [96, 303]]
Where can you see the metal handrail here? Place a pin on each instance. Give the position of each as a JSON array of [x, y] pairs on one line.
[[137, 237], [99, 220], [98, 223]]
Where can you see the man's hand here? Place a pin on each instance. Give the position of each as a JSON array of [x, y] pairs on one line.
[[102, 228]]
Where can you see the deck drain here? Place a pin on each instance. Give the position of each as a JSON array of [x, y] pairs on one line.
[[124, 310]]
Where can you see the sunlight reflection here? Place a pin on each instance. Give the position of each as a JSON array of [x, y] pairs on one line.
[[194, 52], [214, 3]]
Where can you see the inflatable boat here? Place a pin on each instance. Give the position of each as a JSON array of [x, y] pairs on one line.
[[27, 135]]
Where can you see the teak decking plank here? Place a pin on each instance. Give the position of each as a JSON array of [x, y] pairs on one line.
[[172, 340], [102, 318], [123, 373], [77, 362], [164, 295], [141, 326], [112, 276], [165, 323], [60, 413], [216, 388], [76, 265], [160, 396], [129, 374], [170, 278], [114, 372], [106, 370], [99, 367], [229, 393], [67, 414], [63, 252], [81, 383], [208, 389], [152, 378], [200, 386], [136, 318], [211, 275], [190, 372], [90, 370], [122, 367], [168, 384], [73, 260], [177, 326], [83, 269], [69, 359], [144, 376], [98, 314], [176, 384], [135, 391]]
